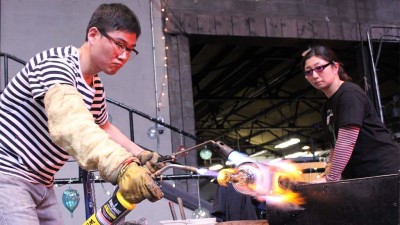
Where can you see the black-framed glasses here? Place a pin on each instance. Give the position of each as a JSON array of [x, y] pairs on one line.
[[317, 69], [120, 46]]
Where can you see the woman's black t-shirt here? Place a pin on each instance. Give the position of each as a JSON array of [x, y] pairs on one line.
[[375, 153]]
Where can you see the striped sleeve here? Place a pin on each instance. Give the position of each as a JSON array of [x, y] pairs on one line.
[[347, 137], [53, 69], [98, 107]]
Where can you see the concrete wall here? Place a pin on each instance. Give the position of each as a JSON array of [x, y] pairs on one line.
[[30, 26], [316, 19]]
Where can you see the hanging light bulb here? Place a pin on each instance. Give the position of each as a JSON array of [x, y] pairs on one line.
[[200, 212], [151, 132], [205, 153]]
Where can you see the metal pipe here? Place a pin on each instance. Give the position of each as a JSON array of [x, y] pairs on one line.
[[184, 177], [154, 119], [172, 208], [87, 189], [5, 71], [154, 53], [175, 166], [154, 67], [195, 147], [180, 203], [64, 181], [375, 76], [131, 128]]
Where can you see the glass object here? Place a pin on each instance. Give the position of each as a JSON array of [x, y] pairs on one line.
[[70, 199], [248, 178], [205, 153], [200, 212], [271, 182]]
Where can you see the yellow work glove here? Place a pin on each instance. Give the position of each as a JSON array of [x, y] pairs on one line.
[[135, 184], [150, 161]]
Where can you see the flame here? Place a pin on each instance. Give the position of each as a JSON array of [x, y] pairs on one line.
[[285, 198], [286, 173], [279, 175], [224, 176]]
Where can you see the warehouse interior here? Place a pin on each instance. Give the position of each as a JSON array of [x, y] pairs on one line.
[[252, 94]]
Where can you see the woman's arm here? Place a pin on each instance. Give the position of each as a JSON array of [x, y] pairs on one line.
[[347, 137]]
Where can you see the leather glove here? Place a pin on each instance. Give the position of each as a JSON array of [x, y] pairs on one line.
[[135, 184], [149, 160]]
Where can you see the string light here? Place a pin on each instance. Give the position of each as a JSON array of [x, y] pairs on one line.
[[165, 77]]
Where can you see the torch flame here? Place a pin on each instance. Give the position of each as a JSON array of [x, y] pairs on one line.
[[286, 174], [273, 186], [224, 176]]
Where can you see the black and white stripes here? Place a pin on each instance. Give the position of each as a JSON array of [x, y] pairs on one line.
[[26, 149]]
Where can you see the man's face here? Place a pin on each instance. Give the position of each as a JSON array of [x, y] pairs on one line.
[[110, 51]]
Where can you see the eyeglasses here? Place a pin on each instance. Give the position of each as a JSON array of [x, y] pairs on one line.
[[317, 69], [120, 46]]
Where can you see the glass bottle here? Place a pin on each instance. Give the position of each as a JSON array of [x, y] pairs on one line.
[[248, 178], [260, 179]]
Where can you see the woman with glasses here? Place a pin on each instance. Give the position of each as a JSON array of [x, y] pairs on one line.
[[362, 146], [55, 108]]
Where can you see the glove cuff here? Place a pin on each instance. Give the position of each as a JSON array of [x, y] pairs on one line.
[[122, 168]]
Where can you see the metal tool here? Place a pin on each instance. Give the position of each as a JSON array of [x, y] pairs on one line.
[[121, 207], [159, 172], [180, 203], [219, 146], [172, 208], [173, 156]]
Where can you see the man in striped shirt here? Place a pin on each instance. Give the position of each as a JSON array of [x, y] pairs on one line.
[[55, 108], [362, 145]]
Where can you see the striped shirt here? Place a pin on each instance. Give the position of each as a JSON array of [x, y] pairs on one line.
[[340, 155], [26, 149]]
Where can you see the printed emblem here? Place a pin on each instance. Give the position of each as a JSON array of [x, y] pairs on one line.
[[329, 116]]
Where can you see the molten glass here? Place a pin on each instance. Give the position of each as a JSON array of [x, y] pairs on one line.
[[266, 181]]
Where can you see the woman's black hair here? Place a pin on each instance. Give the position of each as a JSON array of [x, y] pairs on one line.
[[326, 54]]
